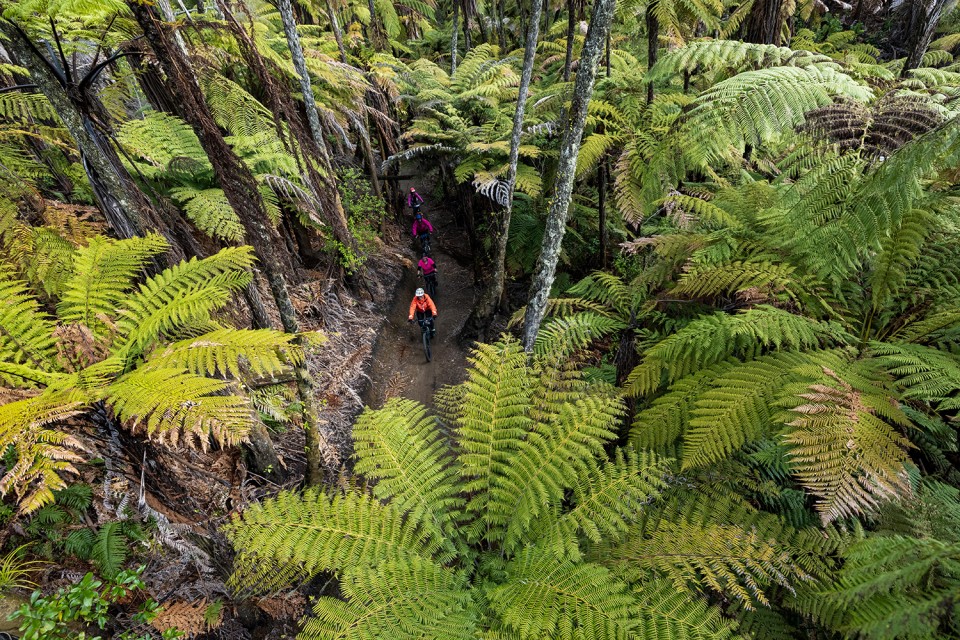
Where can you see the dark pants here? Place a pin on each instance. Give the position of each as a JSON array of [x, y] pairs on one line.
[[426, 317]]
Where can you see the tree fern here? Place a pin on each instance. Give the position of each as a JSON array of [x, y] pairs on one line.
[[26, 334], [227, 352], [210, 211]]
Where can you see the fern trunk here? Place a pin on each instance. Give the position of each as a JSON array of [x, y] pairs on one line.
[[922, 19], [762, 26], [376, 34], [490, 298], [546, 268], [127, 209], [571, 23], [241, 190]]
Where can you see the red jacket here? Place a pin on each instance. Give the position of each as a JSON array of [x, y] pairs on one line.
[[422, 304]]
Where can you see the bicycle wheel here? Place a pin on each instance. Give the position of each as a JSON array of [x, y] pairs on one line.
[[431, 285], [426, 344]]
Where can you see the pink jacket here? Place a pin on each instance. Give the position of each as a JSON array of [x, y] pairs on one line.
[[421, 226]]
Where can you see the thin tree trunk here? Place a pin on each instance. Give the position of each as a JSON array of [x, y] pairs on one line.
[[653, 36], [569, 148], [300, 65], [501, 28], [453, 37], [335, 27], [467, 43], [376, 34], [571, 22], [602, 211], [244, 197], [924, 16], [491, 297], [363, 134]]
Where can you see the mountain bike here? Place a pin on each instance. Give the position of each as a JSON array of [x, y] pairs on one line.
[[430, 283], [426, 332], [424, 239]]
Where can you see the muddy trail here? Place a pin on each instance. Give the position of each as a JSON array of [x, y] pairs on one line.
[[399, 367]]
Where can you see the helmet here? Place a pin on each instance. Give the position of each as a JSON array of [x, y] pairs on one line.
[[412, 189], [419, 216], [419, 293]]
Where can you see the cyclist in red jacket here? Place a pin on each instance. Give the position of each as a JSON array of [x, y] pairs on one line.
[[422, 305]]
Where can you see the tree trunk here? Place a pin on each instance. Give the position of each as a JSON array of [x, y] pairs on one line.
[[244, 197], [571, 23], [453, 37], [762, 25], [490, 298], [500, 14], [376, 34], [653, 37], [923, 18], [602, 211], [300, 65], [467, 44], [569, 148], [334, 26]]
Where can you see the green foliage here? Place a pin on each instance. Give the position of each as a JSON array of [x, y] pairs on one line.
[[150, 350]]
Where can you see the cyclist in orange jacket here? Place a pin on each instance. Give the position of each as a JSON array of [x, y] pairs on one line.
[[422, 306]]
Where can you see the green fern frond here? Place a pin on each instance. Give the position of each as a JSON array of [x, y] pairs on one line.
[[169, 404], [551, 460], [400, 448], [567, 335], [181, 295], [103, 272], [550, 598], [26, 334], [109, 550], [312, 532], [231, 352], [390, 600], [210, 211], [731, 56], [606, 501], [667, 612], [492, 419]]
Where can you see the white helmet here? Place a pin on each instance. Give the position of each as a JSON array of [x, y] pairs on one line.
[[419, 293]]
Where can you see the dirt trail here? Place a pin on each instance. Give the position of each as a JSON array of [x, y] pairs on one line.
[[399, 366]]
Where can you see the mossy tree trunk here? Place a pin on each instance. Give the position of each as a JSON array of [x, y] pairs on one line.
[[922, 18], [546, 268]]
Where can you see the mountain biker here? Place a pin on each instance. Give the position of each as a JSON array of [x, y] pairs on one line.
[[427, 269], [421, 228], [422, 305], [414, 199]]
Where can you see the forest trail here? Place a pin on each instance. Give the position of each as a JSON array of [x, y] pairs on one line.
[[399, 368]]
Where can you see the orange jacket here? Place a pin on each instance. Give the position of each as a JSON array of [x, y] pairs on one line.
[[422, 305]]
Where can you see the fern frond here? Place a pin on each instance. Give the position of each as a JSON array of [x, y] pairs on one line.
[[550, 598], [166, 404], [109, 550], [606, 501], [843, 453], [103, 272], [210, 211], [551, 460], [567, 335], [312, 532], [492, 419], [667, 612], [729, 55], [400, 448], [26, 334], [231, 352], [182, 294], [391, 600], [43, 454]]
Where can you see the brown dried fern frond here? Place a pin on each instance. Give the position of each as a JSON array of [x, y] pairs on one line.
[[878, 129]]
